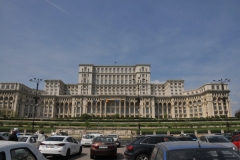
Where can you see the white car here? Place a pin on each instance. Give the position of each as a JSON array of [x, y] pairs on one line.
[[116, 139], [10, 150], [28, 139], [4, 135], [60, 145], [87, 140]]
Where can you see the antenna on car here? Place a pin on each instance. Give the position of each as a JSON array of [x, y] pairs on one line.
[[199, 144]]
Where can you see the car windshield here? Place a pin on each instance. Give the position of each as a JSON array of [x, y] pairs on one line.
[[218, 139], [103, 139], [55, 139], [203, 153], [114, 136], [87, 136], [22, 139]]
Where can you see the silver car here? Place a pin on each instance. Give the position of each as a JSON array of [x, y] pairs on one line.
[[10, 150], [4, 135], [220, 139], [28, 139]]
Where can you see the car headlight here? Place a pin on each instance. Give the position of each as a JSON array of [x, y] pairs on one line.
[[235, 148]]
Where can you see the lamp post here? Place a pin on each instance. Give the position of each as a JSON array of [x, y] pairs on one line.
[[37, 81], [139, 81], [221, 81]]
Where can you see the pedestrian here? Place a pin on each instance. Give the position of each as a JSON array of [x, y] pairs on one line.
[[41, 137], [13, 136]]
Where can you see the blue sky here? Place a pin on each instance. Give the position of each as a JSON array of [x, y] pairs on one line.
[[194, 40]]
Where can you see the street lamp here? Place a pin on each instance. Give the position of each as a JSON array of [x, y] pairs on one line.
[[37, 81], [139, 81], [221, 81]]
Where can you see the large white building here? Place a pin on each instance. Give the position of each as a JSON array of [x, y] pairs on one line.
[[109, 90]]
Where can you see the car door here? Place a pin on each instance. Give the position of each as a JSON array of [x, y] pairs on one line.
[[76, 144], [236, 141], [152, 141], [71, 145]]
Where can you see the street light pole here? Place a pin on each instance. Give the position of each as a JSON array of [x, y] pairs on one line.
[[221, 81], [37, 81], [138, 101]]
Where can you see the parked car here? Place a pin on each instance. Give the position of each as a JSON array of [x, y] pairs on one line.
[[141, 147], [233, 134], [86, 140], [60, 133], [116, 139], [236, 141], [10, 150], [194, 137], [26, 134], [103, 146], [4, 135], [28, 139], [36, 135], [193, 150], [218, 139], [60, 145], [95, 134], [184, 138], [226, 135]]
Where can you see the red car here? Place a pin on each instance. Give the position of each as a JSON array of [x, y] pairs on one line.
[[103, 146], [236, 140]]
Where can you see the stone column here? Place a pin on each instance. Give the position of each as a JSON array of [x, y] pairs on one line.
[[124, 108], [153, 107], [105, 108]]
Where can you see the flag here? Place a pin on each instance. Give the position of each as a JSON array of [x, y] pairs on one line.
[[116, 100], [106, 101]]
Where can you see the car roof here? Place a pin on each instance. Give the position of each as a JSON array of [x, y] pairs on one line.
[[212, 135], [13, 143], [26, 136], [60, 136], [189, 145], [155, 135]]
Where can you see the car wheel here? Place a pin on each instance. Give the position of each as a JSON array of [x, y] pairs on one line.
[[142, 157], [91, 157], [67, 154], [80, 151]]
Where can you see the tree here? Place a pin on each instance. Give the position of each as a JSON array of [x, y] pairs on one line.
[[237, 113], [7, 113], [85, 116]]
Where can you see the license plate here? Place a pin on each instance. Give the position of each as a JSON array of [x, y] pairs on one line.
[[103, 147], [50, 146]]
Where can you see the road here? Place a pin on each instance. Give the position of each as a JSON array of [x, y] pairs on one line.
[[86, 155]]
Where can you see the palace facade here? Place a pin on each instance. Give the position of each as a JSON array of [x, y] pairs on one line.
[[109, 90]]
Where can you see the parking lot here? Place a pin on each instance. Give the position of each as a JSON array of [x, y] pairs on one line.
[[86, 154]]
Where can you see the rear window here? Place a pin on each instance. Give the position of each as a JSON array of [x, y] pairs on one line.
[[103, 139], [88, 136], [114, 136], [138, 140], [55, 139], [22, 139]]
